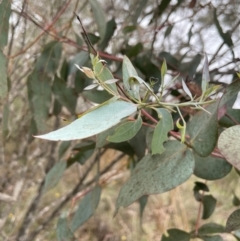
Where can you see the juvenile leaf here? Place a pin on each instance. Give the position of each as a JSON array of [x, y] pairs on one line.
[[233, 222], [86, 208], [228, 144], [211, 168], [157, 174], [64, 233], [126, 131], [212, 238], [236, 200], [160, 134], [210, 228], [163, 70], [94, 122], [176, 234], [99, 16], [64, 95], [128, 71], [199, 186], [186, 89], [209, 204], [203, 130], [54, 175]]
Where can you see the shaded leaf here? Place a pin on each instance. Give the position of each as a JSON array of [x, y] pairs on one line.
[[209, 204], [160, 134], [157, 174], [79, 59], [203, 130], [205, 75], [212, 238], [5, 11], [64, 233], [210, 228], [191, 67], [94, 122], [63, 148], [233, 221], [126, 131], [199, 186], [129, 29], [99, 16], [128, 71], [168, 30], [110, 29], [64, 95], [176, 235], [97, 96], [228, 144], [54, 175], [172, 62], [3, 79], [236, 200], [211, 168], [142, 202], [138, 8], [5, 121], [86, 208], [39, 95]]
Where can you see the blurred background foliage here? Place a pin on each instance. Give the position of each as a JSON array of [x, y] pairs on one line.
[[41, 89]]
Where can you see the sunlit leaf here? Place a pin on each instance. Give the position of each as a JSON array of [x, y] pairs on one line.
[[158, 173], [93, 122], [160, 134], [228, 144]]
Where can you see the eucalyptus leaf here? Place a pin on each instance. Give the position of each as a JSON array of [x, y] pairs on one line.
[[176, 235], [228, 144], [160, 134], [64, 233], [158, 173], [209, 205], [86, 208], [94, 122], [233, 221], [54, 175], [126, 131]]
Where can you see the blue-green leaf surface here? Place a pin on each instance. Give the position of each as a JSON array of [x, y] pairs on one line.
[[94, 122], [126, 131], [160, 134], [176, 235], [233, 221], [158, 173], [86, 208]]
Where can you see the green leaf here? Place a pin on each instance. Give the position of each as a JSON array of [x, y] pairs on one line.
[[99, 16], [199, 186], [172, 62], [210, 228], [211, 168], [5, 11], [160, 134], [49, 59], [225, 36], [3, 79], [111, 27], [139, 7], [157, 174], [39, 95], [5, 121], [54, 175], [126, 131], [64, 233], [129, 29], [142, 203], [94, 122], [205, 75], [203, 130], [79, 59], [63, 148], [233, 221], [64, 95], [128, 71], [85, 151], [168, 30], [212, 238], [236, 200], [86, 208], [97, 96], [163, 70], [191, 67], [228, 144], [209, 204], [176, 235]]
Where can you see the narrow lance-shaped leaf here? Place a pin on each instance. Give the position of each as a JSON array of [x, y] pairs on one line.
[[160, 134], [86, 208], [157, 174], [205, 75], [126, 131], [94, 122]]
